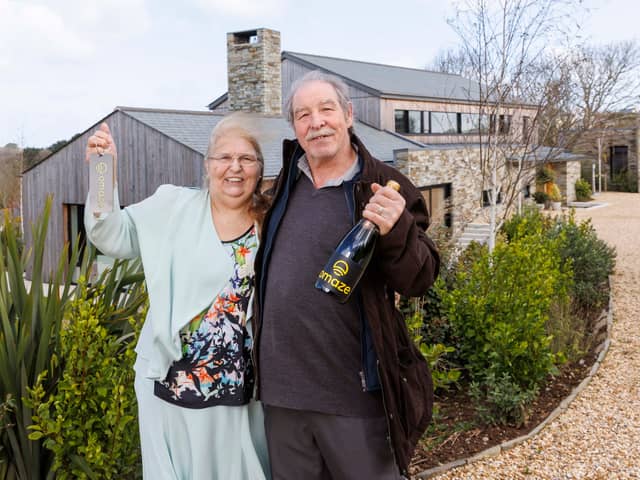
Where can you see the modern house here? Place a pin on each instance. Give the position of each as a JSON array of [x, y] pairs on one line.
[[425, 123]]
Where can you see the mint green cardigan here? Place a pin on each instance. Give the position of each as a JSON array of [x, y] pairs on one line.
[[184, 262]]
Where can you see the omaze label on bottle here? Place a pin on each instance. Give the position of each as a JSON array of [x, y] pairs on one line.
[[339, 276]]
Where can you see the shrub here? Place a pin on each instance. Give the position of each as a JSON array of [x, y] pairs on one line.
[[442, 373], [501, 401], [569, 331], [624, 182], [30, 328], [545, 175], [528, 222], [90, 421], [500, 306], [592, 262], [583, 190], [554, 193], [541, 196]]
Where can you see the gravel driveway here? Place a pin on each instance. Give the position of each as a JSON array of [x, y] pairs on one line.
[[598, 437]]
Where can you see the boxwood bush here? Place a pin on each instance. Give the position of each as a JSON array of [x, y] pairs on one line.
[[499, 307], [89, 421]]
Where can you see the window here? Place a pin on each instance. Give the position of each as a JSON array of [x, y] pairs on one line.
[[415, 121], [444, 122], [438, 200], [74, 219], [401, 121], [526, 127], [526, 191], [469, 123], [504, 124], [619, 159], [486, 198], [474, 123], [409, 121], [450, 123]]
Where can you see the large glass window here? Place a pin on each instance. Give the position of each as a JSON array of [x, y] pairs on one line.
[[474, 123], [401, 121], [619, 159], [484, 122], [444, 122], [415, 121], [438, 200], [504, 124], [409, 121], [469, 123]]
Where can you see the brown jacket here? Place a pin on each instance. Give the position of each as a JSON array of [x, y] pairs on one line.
[[405, 261]]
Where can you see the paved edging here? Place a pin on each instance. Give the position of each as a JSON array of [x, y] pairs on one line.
[[602, 350]]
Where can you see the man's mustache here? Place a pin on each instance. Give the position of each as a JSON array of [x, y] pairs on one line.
[[320, 133]]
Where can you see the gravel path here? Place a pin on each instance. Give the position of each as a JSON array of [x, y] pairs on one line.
[[598, 437]]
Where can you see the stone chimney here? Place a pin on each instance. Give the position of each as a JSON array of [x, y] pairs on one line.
[[254, 71]]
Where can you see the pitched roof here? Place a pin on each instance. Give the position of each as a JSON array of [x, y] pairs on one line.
[[192, 129], [388, 80]]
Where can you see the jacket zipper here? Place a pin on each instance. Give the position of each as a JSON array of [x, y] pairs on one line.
[[282, 184], [387, 417], [351, 204]]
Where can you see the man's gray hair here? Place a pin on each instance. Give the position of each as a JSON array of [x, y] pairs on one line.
[[341, 88]]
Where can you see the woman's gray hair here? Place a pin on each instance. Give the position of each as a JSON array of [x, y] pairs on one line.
[[341, 88], [239, 124], [249, 128]]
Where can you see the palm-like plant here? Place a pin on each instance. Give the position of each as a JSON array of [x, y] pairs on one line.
[[31, 317]]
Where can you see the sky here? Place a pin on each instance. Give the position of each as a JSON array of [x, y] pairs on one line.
[[65, 64]]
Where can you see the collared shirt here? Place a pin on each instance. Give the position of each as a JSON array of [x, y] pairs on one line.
[[303, 165]]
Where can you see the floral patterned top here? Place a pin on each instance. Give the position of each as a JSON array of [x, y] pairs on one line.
[[216, 366]]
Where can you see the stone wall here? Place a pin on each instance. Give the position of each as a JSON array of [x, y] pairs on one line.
[[622, 130], [567, 174], [459, 167], [254, 74]]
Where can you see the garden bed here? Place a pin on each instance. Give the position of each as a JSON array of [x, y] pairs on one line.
[[456, 434]]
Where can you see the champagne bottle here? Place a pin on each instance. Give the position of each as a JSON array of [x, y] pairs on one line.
[[348, 262]]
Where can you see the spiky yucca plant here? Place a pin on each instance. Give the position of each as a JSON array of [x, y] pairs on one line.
[[31, 317]]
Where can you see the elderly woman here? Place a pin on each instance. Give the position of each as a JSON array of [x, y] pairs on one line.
[[194, 374]]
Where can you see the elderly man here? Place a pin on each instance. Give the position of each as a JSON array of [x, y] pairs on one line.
[[347, 395]]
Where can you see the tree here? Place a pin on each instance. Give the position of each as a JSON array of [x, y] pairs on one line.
[[33, 155], [10, 169], [606, 79], [591, 85], [502, 43], [54, 147]]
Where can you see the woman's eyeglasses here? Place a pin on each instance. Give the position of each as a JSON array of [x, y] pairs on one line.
[[227, 159]]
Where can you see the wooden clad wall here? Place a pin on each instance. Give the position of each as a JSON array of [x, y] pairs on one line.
[[366, 106], [146, 159]]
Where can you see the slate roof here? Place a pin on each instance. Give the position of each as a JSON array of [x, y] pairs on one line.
[[386, 80], [389, 80], [192, 129]]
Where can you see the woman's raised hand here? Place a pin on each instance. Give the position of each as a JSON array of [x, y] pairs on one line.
[[101, 142]]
